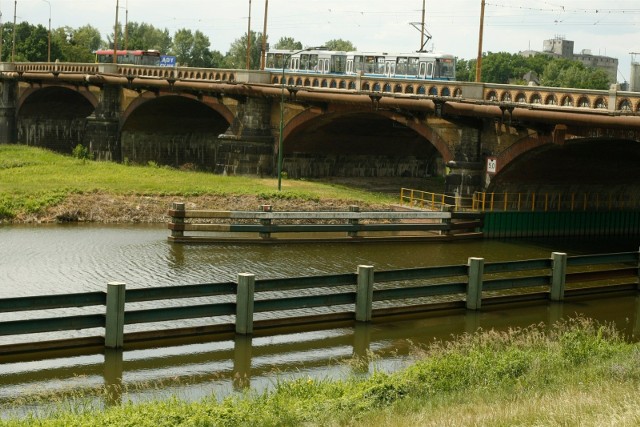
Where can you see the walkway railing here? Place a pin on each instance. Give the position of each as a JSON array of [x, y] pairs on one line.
[[267, 306], [550, 202], [518, 202]]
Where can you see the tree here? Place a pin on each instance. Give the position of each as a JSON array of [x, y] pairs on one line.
[[566, 73], [339, 44], [288, 43], [192, 49], [237, 55], [146, 37], [75, 45]]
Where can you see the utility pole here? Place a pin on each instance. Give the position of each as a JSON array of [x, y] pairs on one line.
[[249, 39], [263, 59], [479, 60], [115, 35], [13, 44], [422, 28], [126, 26]]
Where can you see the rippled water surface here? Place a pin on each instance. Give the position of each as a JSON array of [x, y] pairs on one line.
[[47, 259]]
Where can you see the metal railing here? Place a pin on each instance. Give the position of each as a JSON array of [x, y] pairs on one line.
[[361, 296], [518, 202]]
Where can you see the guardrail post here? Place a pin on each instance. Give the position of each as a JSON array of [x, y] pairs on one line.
[[364, 293], [265, 221], [558, 275], [354, 221], [244, 303], [474, 287], [177, 219], [114, 321]]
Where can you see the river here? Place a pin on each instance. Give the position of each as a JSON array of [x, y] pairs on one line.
[[49, 259]]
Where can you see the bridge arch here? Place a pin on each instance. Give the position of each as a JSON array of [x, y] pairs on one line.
[[53, 116], [355, 139], [176, 130]]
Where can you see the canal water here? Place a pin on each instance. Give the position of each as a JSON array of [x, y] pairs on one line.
[[50, 259]]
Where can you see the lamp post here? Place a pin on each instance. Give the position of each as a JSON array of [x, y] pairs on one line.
[[49, 37], [285, 58]]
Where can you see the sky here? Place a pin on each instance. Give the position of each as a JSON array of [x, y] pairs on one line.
[[605, 27]]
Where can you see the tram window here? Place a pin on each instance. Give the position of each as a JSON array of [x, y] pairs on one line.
[[349, 66], [430, 69], [338, 64], [380, 65], [313, 62], [358, 64], [412, 67], [402, 66], [369, 64]]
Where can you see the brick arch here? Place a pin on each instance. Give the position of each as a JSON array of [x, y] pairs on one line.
[[210, 102], [519, 148], [306, 118], [86, 94]]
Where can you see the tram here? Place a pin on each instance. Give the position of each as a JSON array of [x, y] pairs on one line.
[[415, 65]]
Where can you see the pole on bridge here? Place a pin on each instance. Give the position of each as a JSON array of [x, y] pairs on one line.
[[13, 44], [115, 35], [263, 58], [479, 60], [249, 39]]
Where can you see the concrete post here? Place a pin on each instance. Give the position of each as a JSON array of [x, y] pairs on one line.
[[474, 287], [558, 275], [244, 303], [364, 293], [265, 221], [179, 207], [355, 221], [114, 323]]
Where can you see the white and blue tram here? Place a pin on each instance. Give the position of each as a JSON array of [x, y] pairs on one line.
[[416, 65]]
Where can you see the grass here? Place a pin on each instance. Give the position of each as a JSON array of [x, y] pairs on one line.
[[578, 373], [32, 179]]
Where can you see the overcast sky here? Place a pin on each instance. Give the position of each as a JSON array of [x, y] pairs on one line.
[[605, 27]]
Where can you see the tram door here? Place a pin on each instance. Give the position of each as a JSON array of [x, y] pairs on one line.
[[390, 69], [422, 71]]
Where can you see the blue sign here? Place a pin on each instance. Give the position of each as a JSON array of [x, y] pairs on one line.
[[167, 61]]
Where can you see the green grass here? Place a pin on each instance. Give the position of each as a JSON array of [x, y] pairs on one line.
[[580, 373], [32, 179]]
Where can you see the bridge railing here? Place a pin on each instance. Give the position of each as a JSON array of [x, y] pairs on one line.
[[268, 305], [435, 201], [506, 96]]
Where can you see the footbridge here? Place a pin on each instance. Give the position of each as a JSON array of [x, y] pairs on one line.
[[480, 137]]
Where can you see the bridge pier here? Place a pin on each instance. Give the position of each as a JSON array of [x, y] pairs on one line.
[[8, 100], [102, 134], [246, 148]]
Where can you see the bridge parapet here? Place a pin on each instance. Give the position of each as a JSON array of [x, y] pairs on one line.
[[506, 96]]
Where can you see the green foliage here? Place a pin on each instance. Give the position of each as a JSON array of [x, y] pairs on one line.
[[82, 152], [339, 44], [501, 366], [237, 55], [146, 36], [288, 43], [565, 73]]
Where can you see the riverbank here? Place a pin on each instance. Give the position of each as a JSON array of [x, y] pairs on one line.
[[576, 373], [38, 186]]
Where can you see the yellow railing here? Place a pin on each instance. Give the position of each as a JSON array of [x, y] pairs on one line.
[[518, 202], [434, 201]]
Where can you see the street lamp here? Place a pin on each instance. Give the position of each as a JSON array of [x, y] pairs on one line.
[[285, 58], [49, 38]]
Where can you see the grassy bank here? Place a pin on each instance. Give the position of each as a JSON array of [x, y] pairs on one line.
[[578, 373], [38, 185]]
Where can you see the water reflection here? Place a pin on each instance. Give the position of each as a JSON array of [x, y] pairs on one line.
[[71, 258], [200, 368]]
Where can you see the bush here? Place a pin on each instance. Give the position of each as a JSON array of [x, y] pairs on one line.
[[82, 152]]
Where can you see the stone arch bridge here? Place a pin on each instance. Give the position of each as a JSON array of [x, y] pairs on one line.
[[229, 121]]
